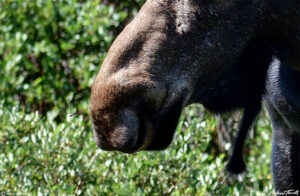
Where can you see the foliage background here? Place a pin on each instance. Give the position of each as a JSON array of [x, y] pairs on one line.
[[50, 52]]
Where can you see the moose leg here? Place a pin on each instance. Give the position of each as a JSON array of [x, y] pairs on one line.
[[285, 153], [236, 164], [282, 100]]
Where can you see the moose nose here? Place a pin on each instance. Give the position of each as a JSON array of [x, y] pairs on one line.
[[122, 135], [101, 141]]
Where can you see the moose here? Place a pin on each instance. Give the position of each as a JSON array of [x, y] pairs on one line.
[[226, 55]]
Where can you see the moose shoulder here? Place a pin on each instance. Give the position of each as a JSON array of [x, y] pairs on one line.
[[175, 53]]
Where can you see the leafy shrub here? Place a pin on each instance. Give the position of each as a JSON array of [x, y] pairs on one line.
[[52, 50], [42, 157]]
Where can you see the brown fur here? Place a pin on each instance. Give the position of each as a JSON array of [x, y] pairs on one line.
[[170, 53]]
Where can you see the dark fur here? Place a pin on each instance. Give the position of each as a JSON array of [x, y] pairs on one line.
[[213, 52], [241, 87], [283, 102]]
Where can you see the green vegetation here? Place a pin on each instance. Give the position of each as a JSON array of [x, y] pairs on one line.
[[50, 52]]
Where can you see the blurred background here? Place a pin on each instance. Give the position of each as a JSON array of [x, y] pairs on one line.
[[50, 53]]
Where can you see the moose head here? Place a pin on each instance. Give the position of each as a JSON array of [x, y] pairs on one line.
[[165, 58]]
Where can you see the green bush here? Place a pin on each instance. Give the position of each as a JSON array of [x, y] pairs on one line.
[[52, 50], [50, 53], [40, 156]]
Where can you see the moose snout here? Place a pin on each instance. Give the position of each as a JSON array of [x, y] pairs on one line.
[[122, 134]]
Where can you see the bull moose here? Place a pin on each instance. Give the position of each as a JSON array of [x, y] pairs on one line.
[[225, 55]]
